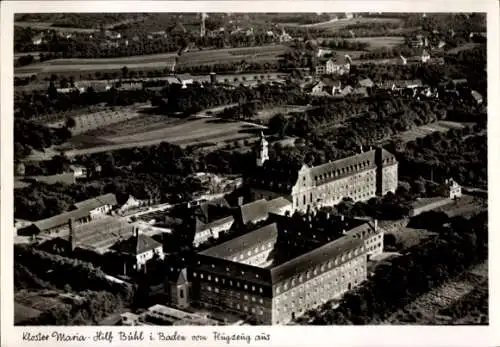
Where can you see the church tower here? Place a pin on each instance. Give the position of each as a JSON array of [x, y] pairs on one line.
[[262, 150]]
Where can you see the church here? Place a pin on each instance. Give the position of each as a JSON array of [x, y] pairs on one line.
[[359, 177]]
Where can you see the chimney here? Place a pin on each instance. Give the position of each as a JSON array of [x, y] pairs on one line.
[[341, 217], [375, 223], [240, 201], [72, 238], [213, 77], [361, 149], [136, 231]]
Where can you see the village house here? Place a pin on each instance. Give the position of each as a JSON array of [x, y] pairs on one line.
[[425, 56], [338, 66], [284, 37], [478, 98], [79, 171]]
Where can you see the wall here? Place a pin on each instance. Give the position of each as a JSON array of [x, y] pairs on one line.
[[331, 283], [204, 234], [389, 179]]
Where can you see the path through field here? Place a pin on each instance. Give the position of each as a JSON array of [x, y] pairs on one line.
[[430, 304]]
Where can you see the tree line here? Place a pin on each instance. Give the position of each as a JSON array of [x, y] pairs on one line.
[[462, 243]]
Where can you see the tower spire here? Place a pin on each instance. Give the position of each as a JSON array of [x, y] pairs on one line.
[[262, 150]]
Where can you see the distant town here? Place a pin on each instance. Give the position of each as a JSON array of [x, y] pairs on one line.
[[250, 169]]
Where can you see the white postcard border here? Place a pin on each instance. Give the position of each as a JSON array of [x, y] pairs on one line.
[[280, 335]]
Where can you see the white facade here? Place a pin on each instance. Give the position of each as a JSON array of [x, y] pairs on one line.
[[100, 211], [211, 231], [143, 258]]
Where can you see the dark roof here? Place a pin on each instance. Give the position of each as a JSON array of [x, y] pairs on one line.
[[90, 204], [136, 244], [315, 257], [275, 180], [60, 219], [339, 59], [343, 167], [277, 203], [364, 230], [254, 211], [238, 244], [202, 226]]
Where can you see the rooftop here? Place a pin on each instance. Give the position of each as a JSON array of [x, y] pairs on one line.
[[254, 211], [99, 201], [137, 244], [227, 249], [215, 259]]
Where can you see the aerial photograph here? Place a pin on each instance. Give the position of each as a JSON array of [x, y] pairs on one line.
[[250, 169]]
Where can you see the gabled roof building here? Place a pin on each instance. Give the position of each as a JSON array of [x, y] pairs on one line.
[[359, 177]]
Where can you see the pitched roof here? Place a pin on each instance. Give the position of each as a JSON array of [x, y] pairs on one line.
[[60, 219], [102, 200], [366, 82], [476, 95], [136, 244], [278, 203], [200, 225], [283, 181], [314, 257], [227, 249], [254, 211], [343, 167]]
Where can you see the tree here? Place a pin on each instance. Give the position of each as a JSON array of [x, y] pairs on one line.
[[70, 122], [278, 125], [125, 71]]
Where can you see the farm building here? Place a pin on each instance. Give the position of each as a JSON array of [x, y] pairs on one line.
[[56, 224], [98, 206]]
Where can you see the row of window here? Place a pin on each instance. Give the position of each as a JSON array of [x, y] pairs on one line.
[[237, 284], [344, 170], [251, 252], [320, 269], [247, 309]]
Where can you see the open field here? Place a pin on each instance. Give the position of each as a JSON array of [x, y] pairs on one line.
[[267, 53], [464, 47], [268, 113], [94, 120], [342, 23], [376, 42], [424, 130], [31, 303], [426, 309], [48, 25], [152, 129]]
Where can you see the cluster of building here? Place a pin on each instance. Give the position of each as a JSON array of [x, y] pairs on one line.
[[295, 258], [288, 255]]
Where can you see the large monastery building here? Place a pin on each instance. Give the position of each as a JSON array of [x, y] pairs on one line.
[[276, 273], [359, 177]]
